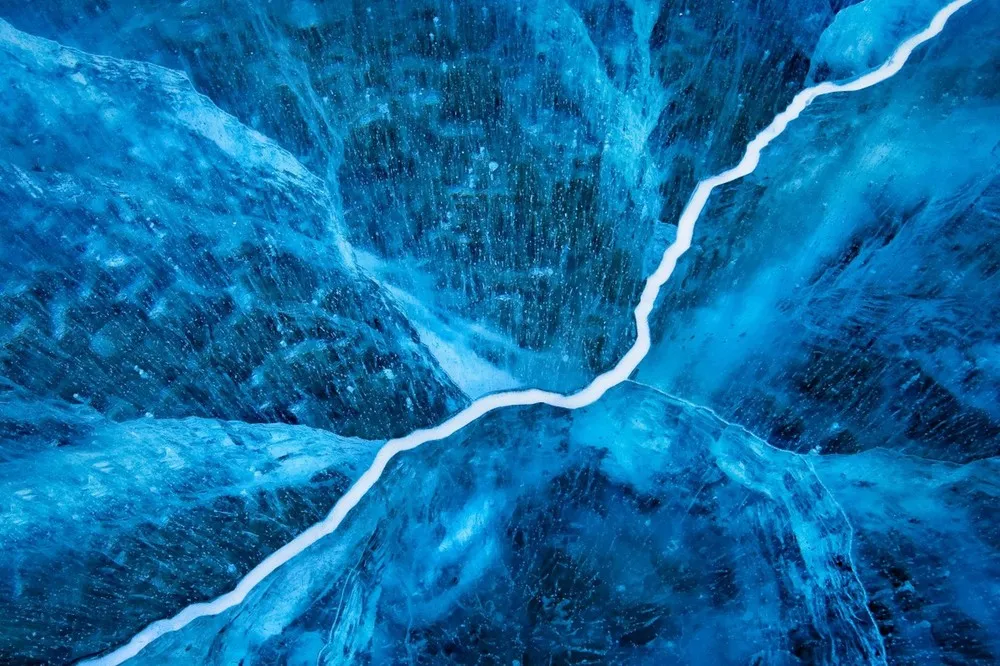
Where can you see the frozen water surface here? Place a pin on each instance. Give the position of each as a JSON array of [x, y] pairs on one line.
[[556, 332]]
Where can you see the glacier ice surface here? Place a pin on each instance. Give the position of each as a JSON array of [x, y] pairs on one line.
[[866, 246], [164, 259], [243, 243]]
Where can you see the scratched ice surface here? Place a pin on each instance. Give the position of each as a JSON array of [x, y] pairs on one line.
[[242, 243]]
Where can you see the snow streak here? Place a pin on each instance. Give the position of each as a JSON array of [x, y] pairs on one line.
[[586, 396]]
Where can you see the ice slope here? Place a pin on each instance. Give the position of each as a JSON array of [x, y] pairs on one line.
[[524, 157], [639, 530], [159, 258], [927, 549], [843, 297], [117, 524]]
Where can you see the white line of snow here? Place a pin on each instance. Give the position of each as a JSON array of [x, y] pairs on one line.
[[592, 392]]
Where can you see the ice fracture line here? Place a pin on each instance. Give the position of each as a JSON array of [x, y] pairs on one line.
[[586, 396]]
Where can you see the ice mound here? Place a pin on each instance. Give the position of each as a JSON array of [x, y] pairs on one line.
[[514, 164], [166, 260], [843, 296], [108, 526], [536, 534]]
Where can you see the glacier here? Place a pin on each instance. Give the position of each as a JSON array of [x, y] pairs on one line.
[[253, 251]]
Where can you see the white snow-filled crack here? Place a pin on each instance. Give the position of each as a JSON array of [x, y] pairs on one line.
[[586, 396]]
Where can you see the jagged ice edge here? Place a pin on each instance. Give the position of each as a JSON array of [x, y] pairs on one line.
[[586, 396]]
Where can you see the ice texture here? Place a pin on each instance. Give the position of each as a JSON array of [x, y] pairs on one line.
[[510, 159], [243, 244], [843, 297], [676, 538], [161, 258], [925, 544], [119, 524]]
